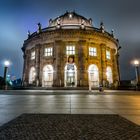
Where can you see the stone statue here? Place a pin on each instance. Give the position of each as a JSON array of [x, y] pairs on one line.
[[112, 32], [102, 28], [90, 21], [39, 28], [29, 34]]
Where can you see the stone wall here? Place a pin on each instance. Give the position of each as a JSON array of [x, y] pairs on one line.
[[82, 40]]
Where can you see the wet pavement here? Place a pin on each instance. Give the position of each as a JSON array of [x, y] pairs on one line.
[[124, 103]]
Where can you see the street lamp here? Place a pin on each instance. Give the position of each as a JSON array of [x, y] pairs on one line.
[[6, 64], [136, 63]]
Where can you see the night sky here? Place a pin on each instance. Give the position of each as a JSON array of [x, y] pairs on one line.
[[19, 16]]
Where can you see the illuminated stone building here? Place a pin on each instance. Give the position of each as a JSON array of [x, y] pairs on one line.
[[70, 52]]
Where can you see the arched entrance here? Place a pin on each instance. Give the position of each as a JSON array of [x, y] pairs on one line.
[[109, 75], [93, 75], [32, 75], [70, 75], [47, 76]]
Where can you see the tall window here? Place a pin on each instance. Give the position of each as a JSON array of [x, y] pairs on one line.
[[32, 55], [108, 54], [48, 52], [32, 75], [70, 50], [109, 75], [92, 51]]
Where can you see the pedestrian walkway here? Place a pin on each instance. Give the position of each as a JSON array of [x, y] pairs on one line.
[[13, 105], [65, 92]]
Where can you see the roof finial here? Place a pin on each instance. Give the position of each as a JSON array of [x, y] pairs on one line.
[[29, 34], [50, 21], [102, 28], [67, 11], [58, 23], [39, 28], [83, 24], [90, 21], [112, 32]]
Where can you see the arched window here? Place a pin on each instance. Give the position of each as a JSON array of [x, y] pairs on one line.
[[70, 75], [47, 76], [93, 75], [109, 75], [32, 75]]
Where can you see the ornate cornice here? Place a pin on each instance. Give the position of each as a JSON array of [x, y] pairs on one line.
[[67, 35]]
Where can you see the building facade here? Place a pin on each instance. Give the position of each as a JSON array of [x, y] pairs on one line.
[[70, 52]]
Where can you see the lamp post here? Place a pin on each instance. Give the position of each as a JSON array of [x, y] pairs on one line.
[[118, 67], [136, 63], [6, 64]]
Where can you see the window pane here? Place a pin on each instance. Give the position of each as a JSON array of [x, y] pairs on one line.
[[32, 55], [70, 50], [48, 52], [108, 54], [92, 51]]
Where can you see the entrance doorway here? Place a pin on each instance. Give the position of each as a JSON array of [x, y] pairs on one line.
[[70, 75], [93, 75], [47, 76]]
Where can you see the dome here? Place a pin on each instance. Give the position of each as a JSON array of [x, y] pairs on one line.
[[70, 18]]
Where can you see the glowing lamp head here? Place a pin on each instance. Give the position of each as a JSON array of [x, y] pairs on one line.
[[136, 62], [70, 15], [6, 63]]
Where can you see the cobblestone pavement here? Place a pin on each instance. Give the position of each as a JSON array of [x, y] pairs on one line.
[[69, 127], [15, 103]]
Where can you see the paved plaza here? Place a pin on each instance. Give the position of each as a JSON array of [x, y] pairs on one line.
[[15, 103]]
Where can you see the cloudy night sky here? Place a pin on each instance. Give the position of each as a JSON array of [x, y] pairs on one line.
[[19, 16]]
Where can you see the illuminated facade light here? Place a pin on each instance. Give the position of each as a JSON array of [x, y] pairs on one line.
[[70, 15]]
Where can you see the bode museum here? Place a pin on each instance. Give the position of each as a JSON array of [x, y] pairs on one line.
[[71, 52]]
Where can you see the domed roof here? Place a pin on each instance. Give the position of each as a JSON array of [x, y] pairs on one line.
[[70, 18]]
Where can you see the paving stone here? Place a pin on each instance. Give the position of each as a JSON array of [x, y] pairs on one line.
[[69, 127]]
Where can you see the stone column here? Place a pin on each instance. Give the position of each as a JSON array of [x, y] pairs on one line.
[[83, 60], [103, 64], [41, 64], [118, 67], [115, 68], [59, 63], [27, 67], [37, 64]]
